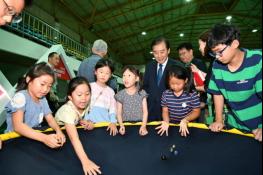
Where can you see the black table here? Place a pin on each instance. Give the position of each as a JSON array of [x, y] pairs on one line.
[[201, 153]]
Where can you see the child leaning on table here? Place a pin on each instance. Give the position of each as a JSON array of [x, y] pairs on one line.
[[71, 113]]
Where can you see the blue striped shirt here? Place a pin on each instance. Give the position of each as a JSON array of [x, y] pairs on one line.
[[180, 107]]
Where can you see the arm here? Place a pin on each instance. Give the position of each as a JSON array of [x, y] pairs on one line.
[[183, 124], [143, 130], [119, 118], [88, 166], [25, 130], [219, 106], [0, 144], [165, 124], [112, 113]]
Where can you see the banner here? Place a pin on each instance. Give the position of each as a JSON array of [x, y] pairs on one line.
[[62, 71]]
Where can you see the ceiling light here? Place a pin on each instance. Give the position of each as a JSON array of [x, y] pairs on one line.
[[228, 18], [181, 35], [255, 30], [188, 0], [144, 33]]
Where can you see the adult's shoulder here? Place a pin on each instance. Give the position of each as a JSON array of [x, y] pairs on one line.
[[151, 64], [172, 62]]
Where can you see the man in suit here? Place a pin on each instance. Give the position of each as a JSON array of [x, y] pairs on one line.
[[155, 77]]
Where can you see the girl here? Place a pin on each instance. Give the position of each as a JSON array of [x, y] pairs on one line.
[[103, 104], [71, 114], [29, 106], [180, 103], [131, 102]]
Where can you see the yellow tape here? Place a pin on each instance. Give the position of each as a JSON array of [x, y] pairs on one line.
[[13, 135]]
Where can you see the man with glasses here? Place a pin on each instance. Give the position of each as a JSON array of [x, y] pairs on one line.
[[10, 11], [236, 81]]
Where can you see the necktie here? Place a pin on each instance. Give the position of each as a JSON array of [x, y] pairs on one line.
[[159, 74]]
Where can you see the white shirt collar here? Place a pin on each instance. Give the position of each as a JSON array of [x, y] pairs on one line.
[[164, 64]]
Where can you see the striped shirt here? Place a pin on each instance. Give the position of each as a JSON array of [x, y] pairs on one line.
[[180, 107], [242, 90]]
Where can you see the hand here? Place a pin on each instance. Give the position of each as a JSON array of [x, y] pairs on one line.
[[216, 126], [51, 141], [143, 131], [122, 130], [258, 134], [184, 128], [61, 139], [87, 124], [0, 144], [163, 128], [113, 129], [200, 88], [90, 168], [194, 68]]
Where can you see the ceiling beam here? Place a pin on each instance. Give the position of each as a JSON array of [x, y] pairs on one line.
[[161, 13], [172, 22]]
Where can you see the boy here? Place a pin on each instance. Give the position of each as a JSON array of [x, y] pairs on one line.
[[236, 81]]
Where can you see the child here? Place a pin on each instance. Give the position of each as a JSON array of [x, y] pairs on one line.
[[71, 114], [236, 80], [131, 102], [180, 103], [29, 106], [103, 104]]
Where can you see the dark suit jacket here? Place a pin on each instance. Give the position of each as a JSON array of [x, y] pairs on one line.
[[154, 91]]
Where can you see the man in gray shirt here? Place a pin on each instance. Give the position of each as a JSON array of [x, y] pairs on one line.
[[87, 67]]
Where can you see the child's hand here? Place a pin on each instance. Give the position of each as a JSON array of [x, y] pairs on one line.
[[51, 141], [122, 130], [90, 168], [113, 129], [258, 134], [61, 139], [0, 144], [216, 126], [87, 124], [163, 128], [183, 128], [143, 131]]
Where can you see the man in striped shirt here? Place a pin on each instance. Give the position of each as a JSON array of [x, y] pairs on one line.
[[236, 81]]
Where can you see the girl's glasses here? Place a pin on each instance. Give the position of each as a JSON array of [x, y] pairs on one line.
[[10, 11]]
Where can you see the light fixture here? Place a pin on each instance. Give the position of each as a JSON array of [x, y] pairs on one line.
[[181, 35], [188, 0], [255, 30], [228, 18], [144, 33]]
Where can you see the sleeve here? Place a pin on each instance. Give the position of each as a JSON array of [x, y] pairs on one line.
[[17, 103], [164, 100], [143, 94], [113, 109], [66, 115], [195, 100], [46, 107], [119, 97], [258, 81], [213, 88]]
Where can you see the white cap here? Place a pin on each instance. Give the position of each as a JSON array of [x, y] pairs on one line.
[[100, 46]]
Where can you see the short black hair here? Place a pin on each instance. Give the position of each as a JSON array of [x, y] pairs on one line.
[[103, 63], [159, 40], [51, 55], [187, 46], [223, 34], [28, 2]]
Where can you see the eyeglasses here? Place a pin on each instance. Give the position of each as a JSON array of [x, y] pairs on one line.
[[219, 53], [10, 11]]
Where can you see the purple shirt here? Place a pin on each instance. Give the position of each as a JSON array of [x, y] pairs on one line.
[[180, 107]]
